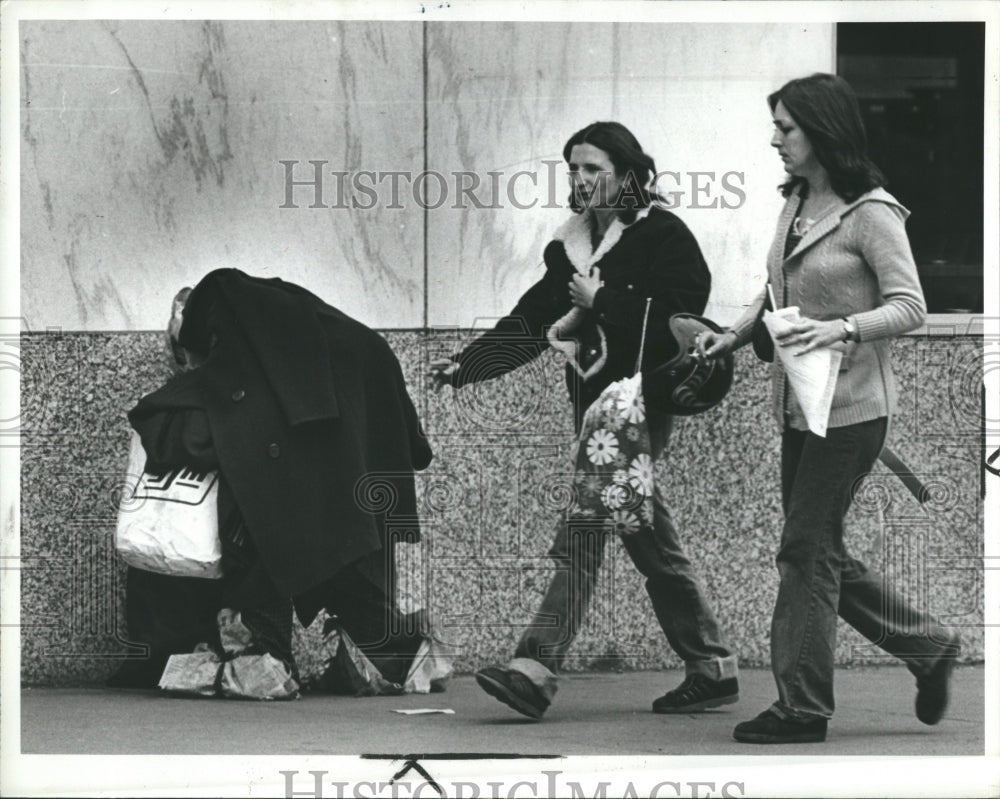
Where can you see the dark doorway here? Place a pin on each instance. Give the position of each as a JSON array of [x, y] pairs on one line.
[[921, 87]]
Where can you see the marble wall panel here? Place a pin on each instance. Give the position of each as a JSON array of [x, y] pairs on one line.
[[151, 150], [698, 93], [150, 155], [505, 97]]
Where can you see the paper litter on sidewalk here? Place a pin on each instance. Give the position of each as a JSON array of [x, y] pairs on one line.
[[426, 711], [813, 376]]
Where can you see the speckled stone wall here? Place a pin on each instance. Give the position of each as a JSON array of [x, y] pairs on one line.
[[491, 499]]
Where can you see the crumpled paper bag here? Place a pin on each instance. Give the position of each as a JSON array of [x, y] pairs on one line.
[[349, 671], [431, 669], [238, 674], [813, 376], [257, 677]]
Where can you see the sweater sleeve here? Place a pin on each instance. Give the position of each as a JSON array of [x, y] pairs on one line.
[[886, 249], [743, 327]]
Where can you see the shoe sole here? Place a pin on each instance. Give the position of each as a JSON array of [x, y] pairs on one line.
[[717, 701], [499, 691], [763, 738]]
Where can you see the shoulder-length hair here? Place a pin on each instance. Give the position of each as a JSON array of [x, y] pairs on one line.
[[827, 110], [631, 163]]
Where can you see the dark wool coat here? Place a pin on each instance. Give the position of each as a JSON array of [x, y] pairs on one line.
[[308, 415], [655, 258]]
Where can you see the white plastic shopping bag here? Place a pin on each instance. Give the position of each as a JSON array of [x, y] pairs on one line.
[[169, 523]]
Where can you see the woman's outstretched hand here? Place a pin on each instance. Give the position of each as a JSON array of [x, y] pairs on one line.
[[441, 371]]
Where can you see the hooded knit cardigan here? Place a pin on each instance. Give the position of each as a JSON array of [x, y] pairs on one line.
[[855, 262]]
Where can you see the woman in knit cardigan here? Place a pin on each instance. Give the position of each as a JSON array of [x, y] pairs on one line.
[[842, 256]]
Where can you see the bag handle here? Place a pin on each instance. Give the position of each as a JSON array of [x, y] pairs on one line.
[[642, 341]]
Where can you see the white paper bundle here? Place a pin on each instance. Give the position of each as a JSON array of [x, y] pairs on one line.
[[431, 668], [813, 376], [194, 673]]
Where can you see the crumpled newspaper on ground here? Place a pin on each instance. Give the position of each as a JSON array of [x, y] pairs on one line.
[[237, 673]]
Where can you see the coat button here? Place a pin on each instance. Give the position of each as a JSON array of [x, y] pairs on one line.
[[238, 395], [273, 450]]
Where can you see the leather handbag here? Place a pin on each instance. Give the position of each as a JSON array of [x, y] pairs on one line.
[[169, 523], [684, 386]]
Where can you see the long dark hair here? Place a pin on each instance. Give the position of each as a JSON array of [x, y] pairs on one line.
[[827, 110], [631, 163]]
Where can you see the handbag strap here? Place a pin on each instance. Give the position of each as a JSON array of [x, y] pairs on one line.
[[642, 341]]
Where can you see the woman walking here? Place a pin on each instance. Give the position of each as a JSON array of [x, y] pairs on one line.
[[842, 256], [616, 271]]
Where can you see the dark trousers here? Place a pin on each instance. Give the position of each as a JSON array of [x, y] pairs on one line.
[[368, 613], [170, 615], [174, 614], [819, 580], [360, 599]]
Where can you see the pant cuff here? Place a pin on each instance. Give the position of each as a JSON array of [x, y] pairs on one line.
[[791, 714], [541, 677], [715, 669]]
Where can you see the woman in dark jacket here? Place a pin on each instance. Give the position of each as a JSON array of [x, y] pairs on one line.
[[620, 265]]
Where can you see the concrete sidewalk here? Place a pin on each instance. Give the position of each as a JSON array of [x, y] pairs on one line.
[[593, 714]]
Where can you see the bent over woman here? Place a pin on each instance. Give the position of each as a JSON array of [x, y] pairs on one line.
[[298, 407]]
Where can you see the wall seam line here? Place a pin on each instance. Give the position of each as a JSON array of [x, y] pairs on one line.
[[426, 253]]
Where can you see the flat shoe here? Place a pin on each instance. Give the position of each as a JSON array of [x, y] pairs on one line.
[[770, 728]]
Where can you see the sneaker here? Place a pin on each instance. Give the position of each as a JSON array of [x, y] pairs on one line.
[[932, 688], [770, 728], [698, 692], [513, 689]]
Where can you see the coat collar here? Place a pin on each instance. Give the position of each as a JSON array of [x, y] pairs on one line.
[[831, 220], [574, 234]]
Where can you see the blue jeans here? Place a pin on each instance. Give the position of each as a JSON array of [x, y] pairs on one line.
[[820, 580], [685, 617]]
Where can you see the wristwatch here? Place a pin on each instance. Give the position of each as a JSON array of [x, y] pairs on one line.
[[850, 330]]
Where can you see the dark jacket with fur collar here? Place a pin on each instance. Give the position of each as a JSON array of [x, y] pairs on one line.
[[308, 416], [655, 258]]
